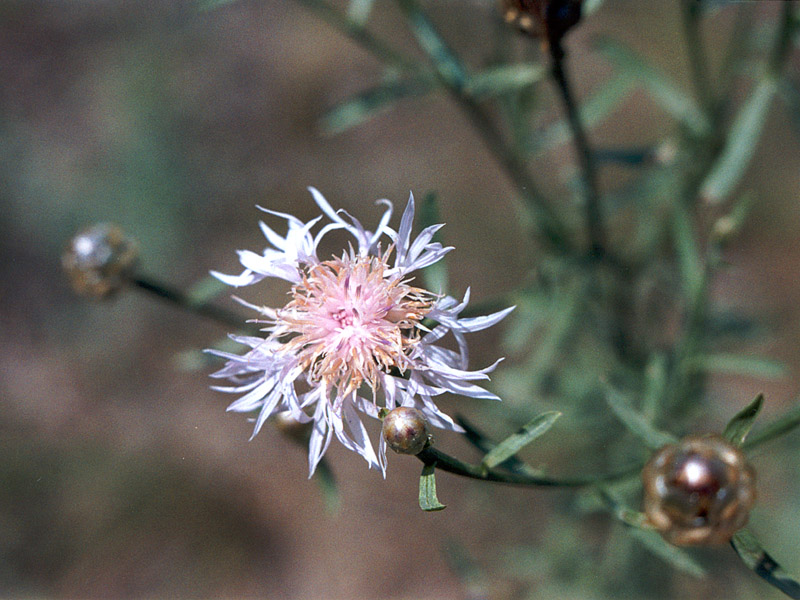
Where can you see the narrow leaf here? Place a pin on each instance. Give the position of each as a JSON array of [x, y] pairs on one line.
[[663, 91], [689, 260], [504, 79], [737, 364], [370, 103], [636, 423], [762, 564], [324, 477], [655, 383], [639, 529], [514, 443], [205, 290], [427, 490], [436, 278], [358, 11], [741, 143], [212, 4], [485, 445], [783, 425], [592, 112], [446, 62], [739, 426], [675, 556]]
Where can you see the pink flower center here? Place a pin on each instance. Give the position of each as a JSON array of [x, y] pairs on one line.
[[349, 320]]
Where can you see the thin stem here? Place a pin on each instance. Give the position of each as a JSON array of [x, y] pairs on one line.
[[594, 217], [183, 301], [445, 462], [698, 63], [554, 232], [514, 167]]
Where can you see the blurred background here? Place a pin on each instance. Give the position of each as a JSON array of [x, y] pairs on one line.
[[122, 476]]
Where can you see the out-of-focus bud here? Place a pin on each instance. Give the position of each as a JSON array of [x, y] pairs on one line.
[[698, 491], [405, 430], [292, 428], [98, 259], [546, 19]]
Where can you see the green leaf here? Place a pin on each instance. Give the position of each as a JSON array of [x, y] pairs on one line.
[[675, 556], [485, 445], [212, 4], [514, 443], [739, 426], [663, 91], [504, 79], [205, 290], [689, 260], [762, 564], [447, 64], [783, 425], [436, 279], [358, 11], [741, 143], [370, 103], [327, 485], [427, 490], [738, 364], [655, 383], [592, 112], [636, 423], [639, 529]]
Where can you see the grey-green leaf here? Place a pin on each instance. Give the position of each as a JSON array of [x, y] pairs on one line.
[[327, 485], [448, 65], [738, 364], [514, 443], [636, 423], [739, 426], [371, 102], [504, 79], [427, 490], [762, 564], [677, 557], [205, 290], [663, 91], [358, 11], [436, 278], [592, 112], [741, 143], [689, 259], [783, 425]]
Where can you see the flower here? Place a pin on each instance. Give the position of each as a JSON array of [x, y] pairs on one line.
[[698, 491], [351, 340], [99, 260]]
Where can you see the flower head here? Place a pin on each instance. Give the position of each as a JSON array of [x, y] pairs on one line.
[[351, 339]]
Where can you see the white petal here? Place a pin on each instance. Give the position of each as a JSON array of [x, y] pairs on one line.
[[246, 278]]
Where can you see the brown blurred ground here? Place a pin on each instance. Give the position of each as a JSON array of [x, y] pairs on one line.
[[121, 475]]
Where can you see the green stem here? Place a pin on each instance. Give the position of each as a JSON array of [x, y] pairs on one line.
[[453, 76], [183, 301], [698, 63], [450, 464]]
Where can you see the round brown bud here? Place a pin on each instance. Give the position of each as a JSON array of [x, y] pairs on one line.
[[98, 259], [405, 430], [698, 491]]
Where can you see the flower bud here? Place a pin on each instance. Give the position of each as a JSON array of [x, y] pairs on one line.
[[405, 430], [98, 259], [698, 491], [546, 19]]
